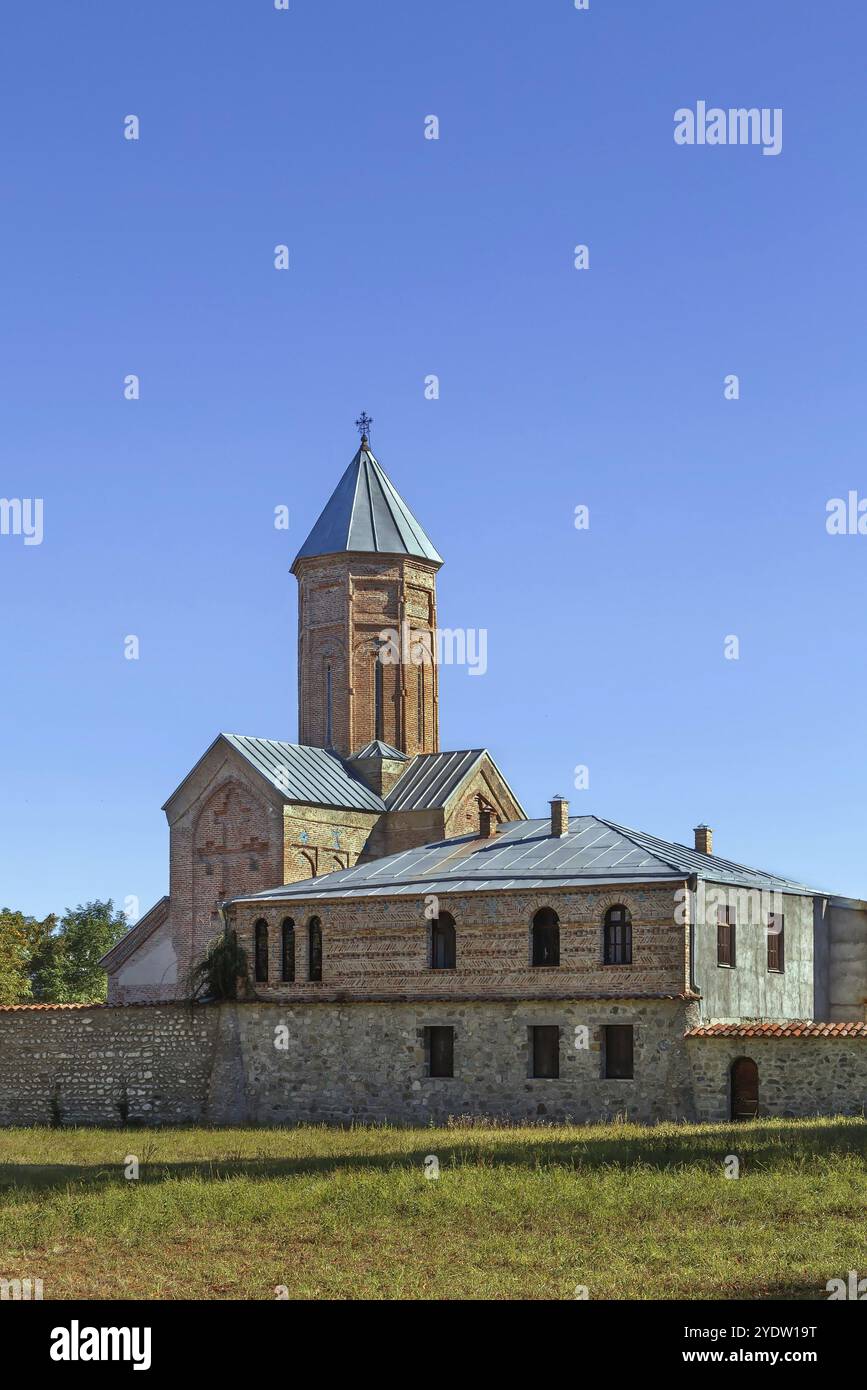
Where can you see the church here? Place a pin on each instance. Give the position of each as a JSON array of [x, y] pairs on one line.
[[418, 947]]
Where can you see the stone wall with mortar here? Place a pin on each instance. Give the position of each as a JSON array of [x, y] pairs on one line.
[[272, 1064], [798, 1076]]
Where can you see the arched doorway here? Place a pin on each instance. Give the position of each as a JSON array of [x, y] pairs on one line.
[[745, 1089]]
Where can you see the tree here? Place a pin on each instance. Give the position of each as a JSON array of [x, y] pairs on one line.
[[66, 965], [15, 948]]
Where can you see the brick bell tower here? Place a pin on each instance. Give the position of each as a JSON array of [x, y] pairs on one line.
[[367, 619]]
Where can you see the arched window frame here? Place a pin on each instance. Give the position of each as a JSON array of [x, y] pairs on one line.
[[260, 951], [287, 951], [314, 950], [545, 938], [617, 935], [443, 942]]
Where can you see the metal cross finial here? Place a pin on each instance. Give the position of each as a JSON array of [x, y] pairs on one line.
[[363, 424]]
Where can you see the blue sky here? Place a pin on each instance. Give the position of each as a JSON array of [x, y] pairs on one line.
[[558, 387]]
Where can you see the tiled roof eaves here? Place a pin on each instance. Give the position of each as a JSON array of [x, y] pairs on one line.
[[794, 1028]]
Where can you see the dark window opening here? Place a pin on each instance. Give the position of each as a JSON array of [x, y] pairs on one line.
[[546, 937], [545, 1050], [420, 704], [617, 1041], [443, 942], [260, 932], [776, 942], [314, 942], [378, 713], [618, 936], [725, 936], [288, 951], [329, 732], [439, 1046]]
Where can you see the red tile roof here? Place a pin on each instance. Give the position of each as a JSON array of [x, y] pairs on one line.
[[33, 1008], [793, 1028]]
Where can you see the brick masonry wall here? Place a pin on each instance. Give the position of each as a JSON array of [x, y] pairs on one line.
[[797, 1076], [378, 947]]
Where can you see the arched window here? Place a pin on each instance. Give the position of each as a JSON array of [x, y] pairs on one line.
[[260, 935], [442, 942], [378, 713], [420, 704], [546, 937], [287, 953], [618, 936], [314, 948], [329, 730]]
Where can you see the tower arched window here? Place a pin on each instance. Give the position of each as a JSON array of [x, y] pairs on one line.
[[546, 937], [618, 936], [287, 951], [329, 698], [420, 704], [260, 951], [314, 950], [443, 952]]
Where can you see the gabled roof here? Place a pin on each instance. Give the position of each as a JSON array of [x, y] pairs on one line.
[[526, 855], [318, 777], [301, 773], [137, 935], [366, 513]]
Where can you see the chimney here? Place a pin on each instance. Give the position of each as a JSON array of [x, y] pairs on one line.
[[488, 822], [703, 839], [559, 817]]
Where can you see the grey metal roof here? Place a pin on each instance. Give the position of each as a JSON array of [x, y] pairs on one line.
[[526, 855], [366, 513], [378, 749], [306, 774], [431, 778]]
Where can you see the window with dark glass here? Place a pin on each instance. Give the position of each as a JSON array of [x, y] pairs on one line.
[[314, 943], [439, 1045], [443, 942], [725, 936], [545, 1050], [776, 942], [546, 937], [260, 953], [287, 953], [618, 936], [420, 705], [617, 1049], [329, 695]]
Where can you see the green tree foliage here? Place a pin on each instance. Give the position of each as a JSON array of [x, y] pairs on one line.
[[66, 967], [17, 936], [222, 973]]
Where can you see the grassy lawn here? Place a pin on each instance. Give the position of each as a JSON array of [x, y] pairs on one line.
[[515, 1213]]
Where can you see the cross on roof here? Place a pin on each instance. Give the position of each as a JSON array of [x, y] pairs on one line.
[[363, 424]]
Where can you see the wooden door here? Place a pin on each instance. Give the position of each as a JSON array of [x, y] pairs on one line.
[[745, 1089]]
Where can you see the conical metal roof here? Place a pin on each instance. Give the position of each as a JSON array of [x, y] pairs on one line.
[[366, 513]]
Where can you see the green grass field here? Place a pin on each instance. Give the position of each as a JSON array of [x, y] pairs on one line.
[[627, 1212]]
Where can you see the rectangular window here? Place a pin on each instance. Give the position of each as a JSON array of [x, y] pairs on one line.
[[776, 942], [439, 1046], [545, 1050], [617, 1044], [725, 936]]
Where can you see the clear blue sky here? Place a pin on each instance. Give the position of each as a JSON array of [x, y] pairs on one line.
[[558, 388]]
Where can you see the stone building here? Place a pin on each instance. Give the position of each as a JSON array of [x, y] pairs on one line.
[[417, 947]]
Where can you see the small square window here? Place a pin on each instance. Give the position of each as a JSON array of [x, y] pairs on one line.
[[439, 1049], [545, 1051], [618, 1051]]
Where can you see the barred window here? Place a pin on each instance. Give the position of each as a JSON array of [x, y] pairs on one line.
[[288, 951], [314, 946], [260, 938]]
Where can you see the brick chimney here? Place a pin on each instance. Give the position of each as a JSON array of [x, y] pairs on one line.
[[703, 839], [559, 817]]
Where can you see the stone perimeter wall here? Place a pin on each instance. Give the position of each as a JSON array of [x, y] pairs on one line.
[[173, 1064]]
